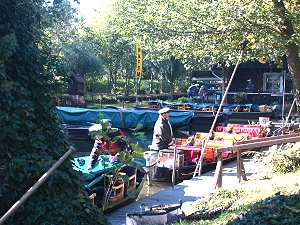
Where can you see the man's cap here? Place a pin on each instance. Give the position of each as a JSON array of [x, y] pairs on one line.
[[202, 86], [197, 84], [163, 110], [95, 127], [249, 80]]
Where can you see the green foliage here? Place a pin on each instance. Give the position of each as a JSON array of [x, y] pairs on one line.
[[183, 100], [283, 159], [240, 97], [31, 137], [278, 209]]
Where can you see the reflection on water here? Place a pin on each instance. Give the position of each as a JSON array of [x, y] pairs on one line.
[[150, 190]]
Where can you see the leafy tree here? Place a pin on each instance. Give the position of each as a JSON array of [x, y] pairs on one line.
[[204, 33], [58, 21], [81, 56], [113, 49], [31, 136], [171, 70]]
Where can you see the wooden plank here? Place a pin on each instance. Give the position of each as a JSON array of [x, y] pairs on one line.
[[267, 138], [263, 142], [217, 182]]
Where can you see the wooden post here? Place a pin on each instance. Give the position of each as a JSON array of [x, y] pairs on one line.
[[238, 162], [174, 167], [243, 171], [218, 175]]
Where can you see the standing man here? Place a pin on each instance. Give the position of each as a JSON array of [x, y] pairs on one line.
[[203, 93], [162, 133], [193, 90], [250, 86]]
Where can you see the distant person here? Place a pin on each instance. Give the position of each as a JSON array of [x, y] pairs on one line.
[[193, 90], [162, 133], [203, 93], [250, 86]]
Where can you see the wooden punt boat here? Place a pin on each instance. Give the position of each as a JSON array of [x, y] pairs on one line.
[[156, 214], [187, 155], [201, 115], [124, 189]]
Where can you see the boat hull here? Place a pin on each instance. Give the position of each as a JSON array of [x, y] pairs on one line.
[[163, 174], [250, 115], [127, 199], [96, 180], [121, 118], [199, 117]]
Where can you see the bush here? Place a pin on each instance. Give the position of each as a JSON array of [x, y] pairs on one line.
[[284, 160], [183, 100]]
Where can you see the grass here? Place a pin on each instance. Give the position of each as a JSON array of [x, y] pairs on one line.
[[266, 198]]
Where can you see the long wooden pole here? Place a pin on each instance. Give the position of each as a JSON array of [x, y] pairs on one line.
[[36, 185], [200, 162]]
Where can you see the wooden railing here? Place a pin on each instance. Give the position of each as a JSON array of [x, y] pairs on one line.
[[248, 145]]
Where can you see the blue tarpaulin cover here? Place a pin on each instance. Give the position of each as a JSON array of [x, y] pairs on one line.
[[121, 118]]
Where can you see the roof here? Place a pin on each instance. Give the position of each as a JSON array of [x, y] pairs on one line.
[[79, 78], [205, 75]]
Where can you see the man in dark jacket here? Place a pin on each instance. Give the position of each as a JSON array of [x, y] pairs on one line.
[[162, 133]]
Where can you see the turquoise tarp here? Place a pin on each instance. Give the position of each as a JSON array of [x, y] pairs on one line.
[[121, 118]]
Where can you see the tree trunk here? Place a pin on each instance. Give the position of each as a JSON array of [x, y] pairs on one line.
[[297, 191], [291, 49], [171, 92]]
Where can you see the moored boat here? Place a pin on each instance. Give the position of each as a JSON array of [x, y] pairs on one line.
[[111, 194], [188, 154], [156, 214], [81, 118], [202, 113]]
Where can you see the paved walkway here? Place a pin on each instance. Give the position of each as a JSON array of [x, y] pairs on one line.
[[188, 191]]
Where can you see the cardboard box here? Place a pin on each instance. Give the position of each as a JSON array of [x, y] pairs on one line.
[[262, 108]]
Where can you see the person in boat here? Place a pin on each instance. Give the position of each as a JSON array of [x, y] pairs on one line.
[[193, 90], [162, 133], [203, 93], [113, 146]]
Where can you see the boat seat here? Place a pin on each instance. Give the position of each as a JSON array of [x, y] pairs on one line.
[[116, 188], [184, 107], [131, 173], [210, 108], [187, 107], [131, 184], [236, 109], [247, 109], [117, 191], [92, 197]]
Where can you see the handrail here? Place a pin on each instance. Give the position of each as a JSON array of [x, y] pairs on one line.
[[36, 185]]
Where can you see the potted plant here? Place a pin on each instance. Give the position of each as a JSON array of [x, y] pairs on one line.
[[239, 97], [190, 141]]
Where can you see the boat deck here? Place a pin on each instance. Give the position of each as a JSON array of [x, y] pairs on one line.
[[186, 191]]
